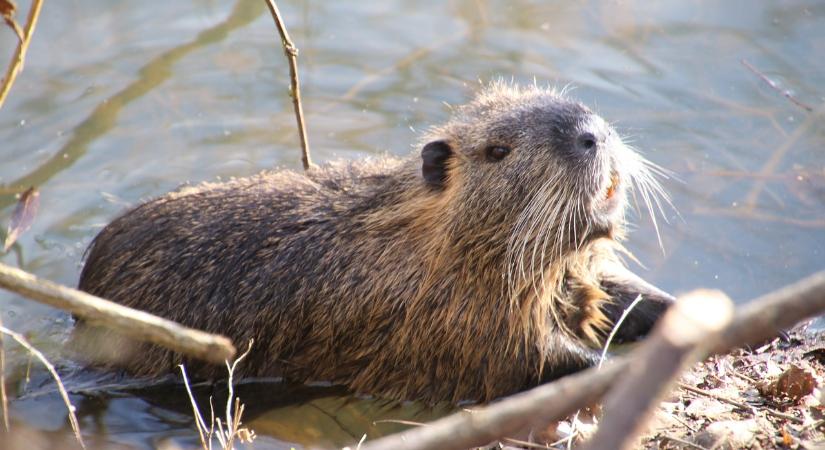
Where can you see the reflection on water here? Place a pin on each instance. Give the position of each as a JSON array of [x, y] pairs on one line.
[[121, 102], [282, 414]]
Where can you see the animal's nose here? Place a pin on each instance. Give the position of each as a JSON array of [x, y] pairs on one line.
[[591, 134], [588, 141]]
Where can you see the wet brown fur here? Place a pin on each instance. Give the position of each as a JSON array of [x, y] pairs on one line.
[[364, 275]]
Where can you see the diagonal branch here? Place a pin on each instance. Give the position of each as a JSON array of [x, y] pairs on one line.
[[130, 322]]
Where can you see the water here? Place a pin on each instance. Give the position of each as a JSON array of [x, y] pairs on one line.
[[123, 101]]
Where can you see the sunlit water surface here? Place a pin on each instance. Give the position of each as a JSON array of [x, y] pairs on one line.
[[121, 101]]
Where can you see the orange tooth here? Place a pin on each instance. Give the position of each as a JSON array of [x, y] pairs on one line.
[[614, 183]]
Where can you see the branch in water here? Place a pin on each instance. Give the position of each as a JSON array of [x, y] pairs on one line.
[[786, 93]]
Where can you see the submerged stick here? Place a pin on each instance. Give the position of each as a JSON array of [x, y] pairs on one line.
[[811, 120], [676, 341], [786, 93], [292, 56], [782, 309], [130, 322], [16, 65]]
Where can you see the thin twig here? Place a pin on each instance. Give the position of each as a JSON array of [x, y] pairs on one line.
[[682, 442], [743, 376], [776, 87], [199, 422], [740, 405], [709, 394], [211, 422], [361, 442], [574, 422], [684, 423], [16, 65], [72, 417], [573, 433], [399, 421], [130, 322], [524, 444], [233, 424], [292, 55], [16, 28], [616, 327], [221, 433]]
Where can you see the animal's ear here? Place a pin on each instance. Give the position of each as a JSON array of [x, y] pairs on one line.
[[624, 287], [434, 158]]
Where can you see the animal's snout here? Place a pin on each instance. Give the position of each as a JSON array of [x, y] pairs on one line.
[[587, 141], [591, 134]]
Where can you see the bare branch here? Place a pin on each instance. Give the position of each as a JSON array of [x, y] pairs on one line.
[[130, 322], [508, 416], [292, 56], [16, 65], [766, 316], [739, 405]]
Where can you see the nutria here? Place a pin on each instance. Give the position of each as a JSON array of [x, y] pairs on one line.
[[483, 264]]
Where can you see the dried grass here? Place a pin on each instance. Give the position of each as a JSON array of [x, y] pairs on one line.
[[228, 430]]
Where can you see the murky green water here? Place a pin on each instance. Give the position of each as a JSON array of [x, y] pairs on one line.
[[123, 101]]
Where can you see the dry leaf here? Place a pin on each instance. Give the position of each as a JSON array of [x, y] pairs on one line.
[[787, 440], [23, 216], [7, 10], [793, 384]]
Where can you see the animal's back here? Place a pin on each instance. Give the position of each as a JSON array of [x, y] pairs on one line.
[[234, 258]]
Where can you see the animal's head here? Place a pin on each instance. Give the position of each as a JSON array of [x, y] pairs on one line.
[[546, 167]]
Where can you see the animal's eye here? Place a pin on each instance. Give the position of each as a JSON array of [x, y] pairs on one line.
[[497, 153]]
